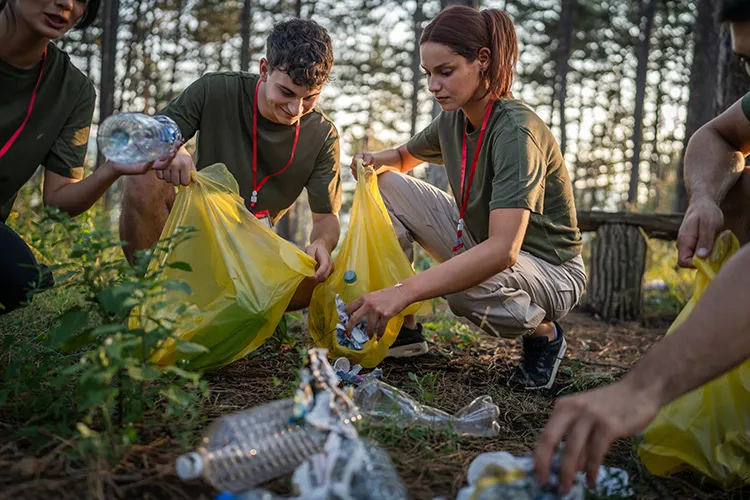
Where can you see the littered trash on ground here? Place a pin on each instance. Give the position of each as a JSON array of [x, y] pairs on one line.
[[384, 403], [501, 476], [249, 448]]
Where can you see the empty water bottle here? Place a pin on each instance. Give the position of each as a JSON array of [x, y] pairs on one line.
[[382, 402], [134, 137], [246, 449], [249, 448], [346, 469]]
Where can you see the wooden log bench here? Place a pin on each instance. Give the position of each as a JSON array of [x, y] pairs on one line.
[[618, 259]]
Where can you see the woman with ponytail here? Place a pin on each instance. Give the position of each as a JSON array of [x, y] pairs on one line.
[[46, 106], [507, 241]]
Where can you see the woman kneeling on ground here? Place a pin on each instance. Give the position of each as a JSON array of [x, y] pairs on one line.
[[46, 105], [509, 253]]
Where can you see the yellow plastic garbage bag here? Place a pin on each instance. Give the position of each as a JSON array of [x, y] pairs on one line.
[[372, 251], [242, 279], [707, 429]]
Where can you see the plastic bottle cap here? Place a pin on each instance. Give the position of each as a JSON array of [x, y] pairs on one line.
[[189, 466], [350, 277], [226, 496]]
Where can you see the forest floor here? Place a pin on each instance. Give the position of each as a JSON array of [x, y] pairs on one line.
[[460, 366]]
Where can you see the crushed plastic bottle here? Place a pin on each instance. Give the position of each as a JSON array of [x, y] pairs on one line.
[[501, 476], [245, 449], [358, 337], [134, 137], [349, 469], [382, 402]]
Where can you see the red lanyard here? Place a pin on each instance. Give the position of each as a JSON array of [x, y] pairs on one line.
[[257, 185], [465, 192], [15, 135]]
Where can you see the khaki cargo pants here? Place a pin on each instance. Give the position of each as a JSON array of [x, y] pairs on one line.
[[510, 304]]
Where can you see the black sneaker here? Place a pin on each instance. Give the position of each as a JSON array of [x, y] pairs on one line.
[[540, 361], [409, 343]]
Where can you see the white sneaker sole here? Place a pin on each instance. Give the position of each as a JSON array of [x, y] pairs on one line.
[[408, 351], [558, 360]]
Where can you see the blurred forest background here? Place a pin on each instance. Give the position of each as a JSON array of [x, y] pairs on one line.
[[622, 83]]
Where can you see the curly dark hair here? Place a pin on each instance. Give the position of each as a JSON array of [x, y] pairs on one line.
[[302, 49], [734, 11]]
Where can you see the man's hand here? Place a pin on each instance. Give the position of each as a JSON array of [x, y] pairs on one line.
[[368, 159], [590, 423], [378, 308], [177, 170], [322, 256], [702, 223]]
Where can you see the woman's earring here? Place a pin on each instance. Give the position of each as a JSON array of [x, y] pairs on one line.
[[481, 73]]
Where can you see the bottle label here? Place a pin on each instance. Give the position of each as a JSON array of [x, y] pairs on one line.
[[170, 132]]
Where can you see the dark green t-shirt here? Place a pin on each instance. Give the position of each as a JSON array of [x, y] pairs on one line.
[[57, 133], [220, 107], [746, 105], [520, 166]]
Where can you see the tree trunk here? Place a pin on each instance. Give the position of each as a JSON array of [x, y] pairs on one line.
[[110, 16], [733, 80], [618, 261], [298, 9], [700, 108], [246, 19], [562, 63], [416, 75], [178, 50], [640, 95]]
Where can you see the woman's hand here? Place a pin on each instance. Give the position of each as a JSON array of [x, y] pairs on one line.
[[368, 159], [377, 308]]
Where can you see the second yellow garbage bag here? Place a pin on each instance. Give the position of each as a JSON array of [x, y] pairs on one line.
[[371, 250], [706, 430], [243, 275]]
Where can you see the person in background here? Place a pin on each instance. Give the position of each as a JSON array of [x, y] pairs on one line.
[[716, 336], [508, 241]]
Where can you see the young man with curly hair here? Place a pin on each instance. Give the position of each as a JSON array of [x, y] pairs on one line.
[[268, 132]]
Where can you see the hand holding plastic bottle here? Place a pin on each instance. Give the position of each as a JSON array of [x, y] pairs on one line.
[[135, 143]]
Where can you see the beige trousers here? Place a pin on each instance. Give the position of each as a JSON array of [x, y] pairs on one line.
[[510, 304]]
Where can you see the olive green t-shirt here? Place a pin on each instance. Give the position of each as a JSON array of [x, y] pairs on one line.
[[220, 107], [56, 134], [746, 105], [520, 166]]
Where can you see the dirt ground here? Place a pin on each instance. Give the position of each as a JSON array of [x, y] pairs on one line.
[[431, 463]]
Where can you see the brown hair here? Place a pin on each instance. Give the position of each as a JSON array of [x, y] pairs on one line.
[[466, 31], [302, 49]]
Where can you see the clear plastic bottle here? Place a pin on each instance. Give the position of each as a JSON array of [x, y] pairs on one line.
[[134, 137], [382, 402], [249, 448]]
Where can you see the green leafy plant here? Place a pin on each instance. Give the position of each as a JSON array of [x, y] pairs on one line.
[[98, 354]]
